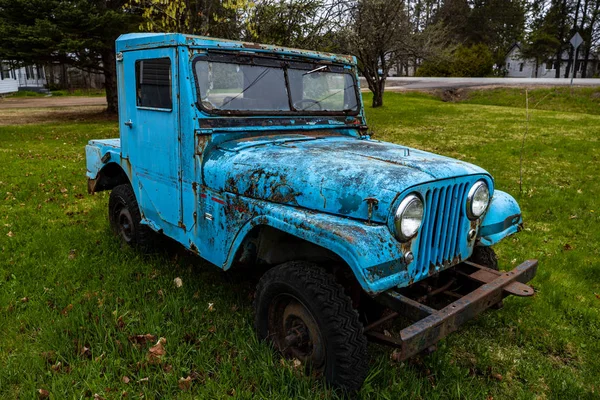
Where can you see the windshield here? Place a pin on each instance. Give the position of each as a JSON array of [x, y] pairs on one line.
[[284, 87]]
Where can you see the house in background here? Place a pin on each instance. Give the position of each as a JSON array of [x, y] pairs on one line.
[[37, 78], [13, 79], [517, 66]]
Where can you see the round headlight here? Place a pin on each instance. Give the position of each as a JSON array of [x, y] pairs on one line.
[[408, 217], [478, 199]]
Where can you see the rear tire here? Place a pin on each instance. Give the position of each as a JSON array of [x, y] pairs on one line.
[[305, 314], [125, 218]]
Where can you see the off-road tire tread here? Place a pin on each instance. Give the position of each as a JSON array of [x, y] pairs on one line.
[[343, 330], [143, 239]]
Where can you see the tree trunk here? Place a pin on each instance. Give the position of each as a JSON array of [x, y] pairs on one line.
[[110, 81], [378, 93]]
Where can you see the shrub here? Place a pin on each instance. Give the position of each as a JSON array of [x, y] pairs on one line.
[[476, 60]]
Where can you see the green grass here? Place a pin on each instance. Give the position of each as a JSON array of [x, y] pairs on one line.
[[80, 92], [26, 93], [577, 100], [74, 92], [66, 285]]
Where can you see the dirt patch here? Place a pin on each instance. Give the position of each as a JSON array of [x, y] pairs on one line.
[[22, 116], [44, 102]]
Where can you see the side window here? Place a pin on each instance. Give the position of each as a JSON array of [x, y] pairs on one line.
[[153, 83]]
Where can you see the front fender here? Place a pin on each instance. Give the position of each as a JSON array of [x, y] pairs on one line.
[[371, 251], [502, 219]]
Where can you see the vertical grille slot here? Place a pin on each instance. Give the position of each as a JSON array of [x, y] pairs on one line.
[[440, 235]]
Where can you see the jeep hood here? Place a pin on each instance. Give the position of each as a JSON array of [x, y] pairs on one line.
[[332, 174]]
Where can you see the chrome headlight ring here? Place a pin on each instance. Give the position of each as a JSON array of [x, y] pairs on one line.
[[408, 217]]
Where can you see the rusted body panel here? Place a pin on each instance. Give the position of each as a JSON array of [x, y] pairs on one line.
[[207, 180]]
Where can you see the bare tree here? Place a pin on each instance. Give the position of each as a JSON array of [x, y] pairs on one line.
[[376, 35]]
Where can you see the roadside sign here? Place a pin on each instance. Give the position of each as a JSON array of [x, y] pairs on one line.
[[576, 40]]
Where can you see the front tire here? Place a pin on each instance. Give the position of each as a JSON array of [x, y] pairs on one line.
[[306, 315], [125, 218], [485, 256]]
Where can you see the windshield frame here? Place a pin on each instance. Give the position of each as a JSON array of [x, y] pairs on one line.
[[274, 61]]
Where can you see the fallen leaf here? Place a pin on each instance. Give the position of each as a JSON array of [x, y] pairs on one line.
[[72, 254], [396, 356], [296, 363], [86, 352], [157, 351], [212, 329], [178, 282], [44, 394], [387, 333], [66, 310], [98, 397], [573, 217], [597, 295], [126, 379], [185, 383], [143, 380], [211, 307], [142, 339], [497, 377], [567, 247], [24, 299], [56, 367], [10, 234]]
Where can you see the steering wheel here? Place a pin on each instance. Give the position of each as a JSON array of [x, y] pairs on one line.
[[297, 105]]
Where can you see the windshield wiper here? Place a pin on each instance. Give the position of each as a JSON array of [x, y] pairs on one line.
[[315, 70], [255, 81]]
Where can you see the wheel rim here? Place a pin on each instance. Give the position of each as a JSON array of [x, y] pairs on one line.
[[295, 332], [126, 228]]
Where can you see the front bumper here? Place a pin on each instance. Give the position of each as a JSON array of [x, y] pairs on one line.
[[432, 324]]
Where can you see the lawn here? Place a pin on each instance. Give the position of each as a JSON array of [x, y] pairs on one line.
[[75, 305]]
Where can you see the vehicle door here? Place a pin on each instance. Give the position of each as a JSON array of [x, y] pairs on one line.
[[150, 131]]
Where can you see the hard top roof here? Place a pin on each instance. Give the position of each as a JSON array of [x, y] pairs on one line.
[[139, 41]]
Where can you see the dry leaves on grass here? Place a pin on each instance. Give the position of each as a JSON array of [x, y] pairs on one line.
[[156, 352], [178, 282], [43, 393], [185, 383], [141, 340]]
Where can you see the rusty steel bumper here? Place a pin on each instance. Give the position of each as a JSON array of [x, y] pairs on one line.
[[432, 324]]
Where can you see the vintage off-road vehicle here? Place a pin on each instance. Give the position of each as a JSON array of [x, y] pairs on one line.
[[260, 156]]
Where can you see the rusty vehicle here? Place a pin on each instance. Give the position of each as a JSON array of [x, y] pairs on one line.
[[258, 156]]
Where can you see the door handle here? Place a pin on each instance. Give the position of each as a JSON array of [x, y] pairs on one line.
[[129, 123]]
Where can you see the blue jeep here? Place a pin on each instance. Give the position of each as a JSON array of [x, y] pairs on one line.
[[259, 156]]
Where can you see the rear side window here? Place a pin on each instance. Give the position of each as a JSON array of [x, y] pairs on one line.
[[153, 83]]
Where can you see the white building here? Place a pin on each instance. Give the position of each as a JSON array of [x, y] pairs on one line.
[[518, 67], [12, 79]]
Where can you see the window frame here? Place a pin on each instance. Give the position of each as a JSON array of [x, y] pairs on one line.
[[274, 61], [137, 72]]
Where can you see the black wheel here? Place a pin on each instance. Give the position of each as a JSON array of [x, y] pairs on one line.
[[125, 217], [305, 314], [485, 256]]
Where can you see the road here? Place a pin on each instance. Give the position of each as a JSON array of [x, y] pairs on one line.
[[414, 83]]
